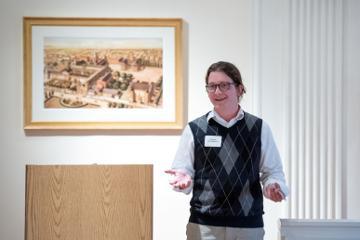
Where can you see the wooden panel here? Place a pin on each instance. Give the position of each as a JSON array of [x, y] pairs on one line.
[[85, 202]]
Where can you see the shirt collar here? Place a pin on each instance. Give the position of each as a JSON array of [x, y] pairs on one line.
[[213, 114]]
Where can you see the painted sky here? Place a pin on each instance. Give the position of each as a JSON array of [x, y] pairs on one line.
[[138, 43]]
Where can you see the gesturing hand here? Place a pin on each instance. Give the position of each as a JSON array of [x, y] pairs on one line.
[[273, 192], [181, 179]]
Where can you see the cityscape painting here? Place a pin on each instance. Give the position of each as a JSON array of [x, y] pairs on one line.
[[88, 73], [106, 73]]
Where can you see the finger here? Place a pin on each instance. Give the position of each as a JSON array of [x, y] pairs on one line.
[[184, 185], [174, 181], [269, 191], [281, 194], [178, 185], [170, 171], [275, 196]]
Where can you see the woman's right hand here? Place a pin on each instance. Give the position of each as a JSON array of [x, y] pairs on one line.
[[181, 179]]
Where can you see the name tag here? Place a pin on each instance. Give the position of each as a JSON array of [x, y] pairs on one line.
[[212, 141]]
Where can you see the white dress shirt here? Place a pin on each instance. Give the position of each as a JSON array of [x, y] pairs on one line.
[[271, 169]]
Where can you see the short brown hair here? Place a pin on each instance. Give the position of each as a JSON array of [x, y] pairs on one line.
[[229, 69]]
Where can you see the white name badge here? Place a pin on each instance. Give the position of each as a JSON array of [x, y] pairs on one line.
[[212, 141]]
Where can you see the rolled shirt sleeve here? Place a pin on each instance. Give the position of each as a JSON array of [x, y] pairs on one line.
[[271, 168], [184, 157]]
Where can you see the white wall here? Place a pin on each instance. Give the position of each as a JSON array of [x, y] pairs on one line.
[[268, 52], [270, 80], [352, 109], [213, 30]]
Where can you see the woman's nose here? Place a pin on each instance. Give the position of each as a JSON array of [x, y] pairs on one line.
[[217, 90]]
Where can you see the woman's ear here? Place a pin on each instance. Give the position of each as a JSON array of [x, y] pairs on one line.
[[240, 90]]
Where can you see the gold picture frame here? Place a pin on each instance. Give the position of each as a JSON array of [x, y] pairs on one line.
[[103, 73]]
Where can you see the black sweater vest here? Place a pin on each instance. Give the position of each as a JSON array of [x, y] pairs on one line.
[[227, 190]]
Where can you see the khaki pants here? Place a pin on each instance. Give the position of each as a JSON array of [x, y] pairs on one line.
[[203, 232]]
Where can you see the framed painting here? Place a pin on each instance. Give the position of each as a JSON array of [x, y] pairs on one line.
[[92, 73]]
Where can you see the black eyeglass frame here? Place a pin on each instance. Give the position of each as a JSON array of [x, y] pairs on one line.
[[223, 86]]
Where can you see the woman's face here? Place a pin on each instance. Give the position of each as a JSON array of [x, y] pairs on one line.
[[228, 99]]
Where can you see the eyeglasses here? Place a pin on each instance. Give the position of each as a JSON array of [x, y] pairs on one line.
[[223, 86]]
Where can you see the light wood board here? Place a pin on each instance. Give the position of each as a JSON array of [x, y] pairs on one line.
[[89, 202]]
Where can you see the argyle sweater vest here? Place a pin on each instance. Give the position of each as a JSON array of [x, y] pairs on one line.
[[227, 190]]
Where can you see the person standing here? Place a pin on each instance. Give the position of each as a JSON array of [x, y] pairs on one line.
[[229, 160]]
